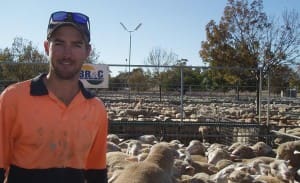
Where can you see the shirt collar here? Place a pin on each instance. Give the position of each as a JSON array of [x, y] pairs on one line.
[[38, 88]]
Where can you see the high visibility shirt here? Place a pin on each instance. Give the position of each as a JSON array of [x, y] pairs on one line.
[[42, 138]]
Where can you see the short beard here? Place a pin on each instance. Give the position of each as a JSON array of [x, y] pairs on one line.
[[66, 76]]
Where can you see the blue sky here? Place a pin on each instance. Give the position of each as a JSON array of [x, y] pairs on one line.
[[173, 25]]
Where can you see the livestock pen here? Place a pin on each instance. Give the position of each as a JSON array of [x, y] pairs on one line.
[[219, 132], [262, 126]]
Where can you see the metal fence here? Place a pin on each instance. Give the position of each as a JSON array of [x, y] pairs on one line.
[[223, 132], [183, 95]]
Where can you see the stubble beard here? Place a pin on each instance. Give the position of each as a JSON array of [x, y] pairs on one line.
[[66, 75]]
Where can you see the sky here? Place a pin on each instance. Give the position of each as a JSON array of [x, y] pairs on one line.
[[176, 26]]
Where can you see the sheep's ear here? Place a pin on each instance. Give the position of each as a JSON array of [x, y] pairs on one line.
[[296, 152], [132, 159], [180, 145], [298, 172], [213, 168], [155, 142]]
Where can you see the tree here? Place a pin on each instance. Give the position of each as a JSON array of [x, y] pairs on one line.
[[284, 78], [171, 79], [246, 38], [23, 50], [159, 57], [118, 82], [22, 61], [5, 55], [138, 80], [93, 57]]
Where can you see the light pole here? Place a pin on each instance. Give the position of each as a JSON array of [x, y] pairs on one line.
[[130, 31], [129, 57]]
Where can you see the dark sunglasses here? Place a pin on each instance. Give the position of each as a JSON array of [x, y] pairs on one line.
[[63, 16]]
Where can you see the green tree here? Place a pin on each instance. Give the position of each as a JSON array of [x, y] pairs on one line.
[[171, 79], [118, 82], [246, 38], [22, 61], [5, 55], [283, 78], [138, 80], [23, 50]]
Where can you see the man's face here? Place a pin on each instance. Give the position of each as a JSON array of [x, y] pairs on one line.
[[67, 51]]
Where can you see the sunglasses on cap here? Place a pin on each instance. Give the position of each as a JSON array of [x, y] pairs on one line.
[[60, 17], [63, 16]]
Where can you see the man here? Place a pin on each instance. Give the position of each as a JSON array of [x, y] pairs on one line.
[[51, 128]]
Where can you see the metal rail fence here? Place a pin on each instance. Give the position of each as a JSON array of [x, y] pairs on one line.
[[227, 132], [220, 132]]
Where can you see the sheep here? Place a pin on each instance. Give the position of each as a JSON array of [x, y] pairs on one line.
[[260, 164], [266, 179], [204, 167], [266, 164], [223, 163], [263, 149], [222, 175], [148, 139], [286, 151], [207, 133], [196, 147], [157, 167], [176, 144], [114, 138], [280, 170], [198, 158], [116, 161], [243, 151], [232, 172], [182, 167], [142, 156], [240, 176], [216, 155], [233, 146], [131, 146], [214, 146], [112, 147], [200, 178]]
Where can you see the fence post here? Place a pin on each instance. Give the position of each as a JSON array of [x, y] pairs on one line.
[[181, 94], [260, 95]]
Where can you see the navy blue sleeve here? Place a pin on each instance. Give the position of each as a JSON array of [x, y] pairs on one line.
[[96, 176], [2, 172]]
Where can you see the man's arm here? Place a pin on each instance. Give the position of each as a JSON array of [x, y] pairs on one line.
[[96, 171], [7, 117]]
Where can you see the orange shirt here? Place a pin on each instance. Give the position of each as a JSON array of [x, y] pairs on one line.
[[38, 131]]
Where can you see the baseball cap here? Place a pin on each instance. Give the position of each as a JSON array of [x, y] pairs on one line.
[[78, 20]]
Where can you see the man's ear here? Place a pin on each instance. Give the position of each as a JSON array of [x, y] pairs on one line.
[[89, 47], [46, 47]]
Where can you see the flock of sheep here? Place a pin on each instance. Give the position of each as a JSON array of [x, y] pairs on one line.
[[146, 110], [148, 159]]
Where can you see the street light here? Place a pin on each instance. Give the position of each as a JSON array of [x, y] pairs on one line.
[[130, 31], [129, 57]]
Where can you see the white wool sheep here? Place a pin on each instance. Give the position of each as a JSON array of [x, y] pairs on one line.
[[157, 167]]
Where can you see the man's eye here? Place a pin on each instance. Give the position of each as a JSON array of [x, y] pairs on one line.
[[57, 43], [78, 45]]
